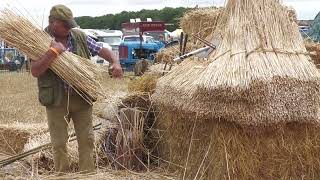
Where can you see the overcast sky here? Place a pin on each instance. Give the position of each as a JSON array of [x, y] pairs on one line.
[[306, 9]]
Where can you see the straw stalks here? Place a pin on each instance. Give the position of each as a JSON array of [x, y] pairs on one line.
[[202, 22], [79, 72], [261, 72], [223, 150], [176, 87]]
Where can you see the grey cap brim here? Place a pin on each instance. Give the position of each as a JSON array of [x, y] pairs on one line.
[[72, 23]]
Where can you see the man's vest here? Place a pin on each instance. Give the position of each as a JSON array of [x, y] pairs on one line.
[[51, 87]]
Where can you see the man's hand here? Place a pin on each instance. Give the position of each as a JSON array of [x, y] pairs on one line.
[[58, 46], [116, 71]]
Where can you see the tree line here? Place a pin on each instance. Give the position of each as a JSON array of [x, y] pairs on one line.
[[170, 16]]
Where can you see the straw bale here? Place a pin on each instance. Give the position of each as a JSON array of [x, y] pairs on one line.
[[13, 137], [202, 22], [217, 149]]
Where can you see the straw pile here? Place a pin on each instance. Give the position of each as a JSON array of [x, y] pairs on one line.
[[261, 72], [143, 84], [314, 50], [251, 112], [202, 22], [80, 73], [14, 136]]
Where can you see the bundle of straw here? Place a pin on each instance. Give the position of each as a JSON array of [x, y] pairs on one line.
[[79, 72], [261, 72], [202, 21]]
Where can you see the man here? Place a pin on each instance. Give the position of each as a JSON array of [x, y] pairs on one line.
[[62, 103]]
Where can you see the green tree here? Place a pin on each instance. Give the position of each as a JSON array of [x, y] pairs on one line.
[[170, 16]]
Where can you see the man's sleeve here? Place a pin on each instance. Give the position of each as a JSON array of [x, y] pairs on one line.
[[93, 46]]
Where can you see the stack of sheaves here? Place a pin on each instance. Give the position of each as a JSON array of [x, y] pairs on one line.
[[175, 89], [261, 72], [79, 72], [202, 22]]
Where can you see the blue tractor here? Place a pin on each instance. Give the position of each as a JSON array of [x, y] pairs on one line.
[[134, 54]]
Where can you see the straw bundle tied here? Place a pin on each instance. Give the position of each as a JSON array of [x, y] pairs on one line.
[[79, 72], [261, 72]]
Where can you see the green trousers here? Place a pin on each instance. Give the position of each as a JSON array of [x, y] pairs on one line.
[[80, 112]]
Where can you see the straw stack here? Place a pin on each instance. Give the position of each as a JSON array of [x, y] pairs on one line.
[[202, 22], [314, 50], [79, 72], [176, 88], [14, 136], [261, 72], [251, 113]]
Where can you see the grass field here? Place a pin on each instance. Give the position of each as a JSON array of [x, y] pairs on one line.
[[19, 105], [19, 99]]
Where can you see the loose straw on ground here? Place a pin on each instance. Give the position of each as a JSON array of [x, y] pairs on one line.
[[79, 72]]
